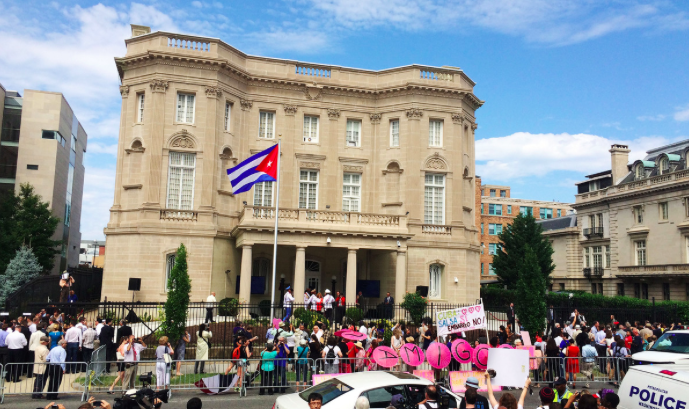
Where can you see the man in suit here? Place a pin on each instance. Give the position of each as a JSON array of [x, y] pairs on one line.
[[389, 302], [550, 316], [107, 334], [511, 316], [123, 331]]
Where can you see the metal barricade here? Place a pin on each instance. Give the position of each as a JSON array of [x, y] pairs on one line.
[[578, 369], [97, 366], [46, 379], [279, 375], [121, 376]]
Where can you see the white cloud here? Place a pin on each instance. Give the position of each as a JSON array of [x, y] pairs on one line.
[[99, 188], [656, 118], [554, 22], [94, 147], [524, 154], [197, 4], [682, 115], [301, 41]]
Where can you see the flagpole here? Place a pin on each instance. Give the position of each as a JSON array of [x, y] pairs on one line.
[[275, 240]]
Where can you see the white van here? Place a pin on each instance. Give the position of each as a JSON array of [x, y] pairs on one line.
[[671, 348], [655, 387]]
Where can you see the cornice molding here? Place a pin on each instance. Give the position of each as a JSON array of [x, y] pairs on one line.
[[353, 160], [213, 92], [414, 114], [309, 156], [290, 110]]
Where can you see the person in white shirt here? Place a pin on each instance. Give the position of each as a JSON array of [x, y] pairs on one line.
[[314, 300], [287, 302], [31, 325], [87, 346], [16, 342], [328, 305], [210, 304], [34, 342], [99, 326], [132, 355], [307, 298], [82, 324], [73, 337], [318, 332]]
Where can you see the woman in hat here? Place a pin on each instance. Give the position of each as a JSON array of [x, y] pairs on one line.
[[302, 364], [360, 356]]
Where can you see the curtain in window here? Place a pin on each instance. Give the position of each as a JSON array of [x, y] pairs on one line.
[[265, 128], [351, 192], [435, 281], [434, 199], [353, 131], [395, 133], [308, 189], [310, 129], [180, 191], [435, 132]]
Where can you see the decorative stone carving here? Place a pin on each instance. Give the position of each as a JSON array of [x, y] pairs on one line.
[[124, 91], [357, 169], [333, 114], [246, 104], [436, 162], [290, 110], [474, 126], [313, 92], [375, 118], [183, 140], [414, 113], [458, 118], [159, 86], [213, 92], [310, 165]]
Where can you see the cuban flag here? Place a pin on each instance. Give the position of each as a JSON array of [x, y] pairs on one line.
[[262, 167]]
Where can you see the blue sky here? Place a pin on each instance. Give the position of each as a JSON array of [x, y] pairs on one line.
[[562, 80]]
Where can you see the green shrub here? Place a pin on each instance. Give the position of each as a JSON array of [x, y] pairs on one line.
[[415, 306], [229, 307], [354, 314], [308, 317]]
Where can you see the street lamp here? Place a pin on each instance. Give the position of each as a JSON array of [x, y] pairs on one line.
[[93, 259], [282, 289], [334, 278]]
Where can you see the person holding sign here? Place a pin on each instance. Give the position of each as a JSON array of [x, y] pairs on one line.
[[472, 387], [507, 400]]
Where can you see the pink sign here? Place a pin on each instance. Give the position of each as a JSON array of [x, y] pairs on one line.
[[324, 377], [425, 374], [438, 355], [507, 346], [276, 322], [412, 355], [458, 381], [462, 351], [385, 357], [480, 357]]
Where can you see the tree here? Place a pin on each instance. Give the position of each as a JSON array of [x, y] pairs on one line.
[[23, 268], [26, 220], [522, 233], [178, 289], [531, 307]]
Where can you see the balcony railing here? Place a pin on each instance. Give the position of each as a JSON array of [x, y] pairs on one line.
[[633, 185], [179, 215], [593, 232], [593, 272], [252, 214], [655, 269], [436, 229]]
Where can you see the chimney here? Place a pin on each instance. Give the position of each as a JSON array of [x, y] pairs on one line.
[[619, 157]]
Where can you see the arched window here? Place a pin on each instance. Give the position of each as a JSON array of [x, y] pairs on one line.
[[313, 275], [664, 164], [639, 172], [435, 281]]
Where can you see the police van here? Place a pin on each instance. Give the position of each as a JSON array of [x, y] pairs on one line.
[[655, 387], [671, 348]]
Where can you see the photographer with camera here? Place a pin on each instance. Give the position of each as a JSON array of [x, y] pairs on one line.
[[132, 355]]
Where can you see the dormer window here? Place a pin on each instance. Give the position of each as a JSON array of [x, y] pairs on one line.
[[594, 185], [639, 171], [664, 165]]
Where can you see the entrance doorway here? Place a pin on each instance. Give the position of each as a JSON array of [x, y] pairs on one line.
[[313, 275]]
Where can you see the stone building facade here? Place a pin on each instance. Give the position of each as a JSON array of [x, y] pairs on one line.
[[43, 144], [634, 226], [377, 170], [496, 210]]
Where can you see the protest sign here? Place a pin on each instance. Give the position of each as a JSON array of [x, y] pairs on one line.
[[385, 356], [480, 356], [511, 366], [526, 338], [425, 374], [438, 355], [506, 346], [461, 350], [411, 354], [460, 319], [459, 378], [276, 322]]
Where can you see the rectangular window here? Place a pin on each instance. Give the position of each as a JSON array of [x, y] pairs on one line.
[[495, 209], [663, 210], [494, 229], [140, 107], [598, 256], [169, 265], [594, 288], [481, 268], [600, 220], [546, 213], [434, 199], [353, 132], [594, 185], [308, 189], [592, 221], [491, 270], [503, 193], [263, 194], [32, 167], [351, 192], [228, 113], [666, 291], [600, 288], [435, 134], [640, 247], [481, 228], [587, 259], [637, 290], [559, 213], [562, 286], [620, 289], [395, 132], [482, 208], [180, 184], [638, 214], [185, 108], [482, 247], [492, 249], [524, 210], [607, 256], [644, 291], [266, 125], [310, 129], [492, 193], [509, 209]]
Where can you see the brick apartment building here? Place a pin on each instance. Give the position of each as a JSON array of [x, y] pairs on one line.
[[496, 209]]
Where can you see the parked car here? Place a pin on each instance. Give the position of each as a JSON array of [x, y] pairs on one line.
[[655, 386], [671, 348], [378, 386]]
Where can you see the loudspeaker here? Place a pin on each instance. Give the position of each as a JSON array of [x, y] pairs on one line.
[[135, 284], [422, 290]]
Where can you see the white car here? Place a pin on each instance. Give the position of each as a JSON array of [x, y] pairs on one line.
[[378, 386], [655, 387], [671, 348]]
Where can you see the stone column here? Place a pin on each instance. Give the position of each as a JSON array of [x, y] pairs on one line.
[[245, 281], [124, 91], [299, 275], [350, 291], [210, 144], [154, 152], [401, 276]]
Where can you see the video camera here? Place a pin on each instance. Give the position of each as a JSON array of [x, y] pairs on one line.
[[144, 397]]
